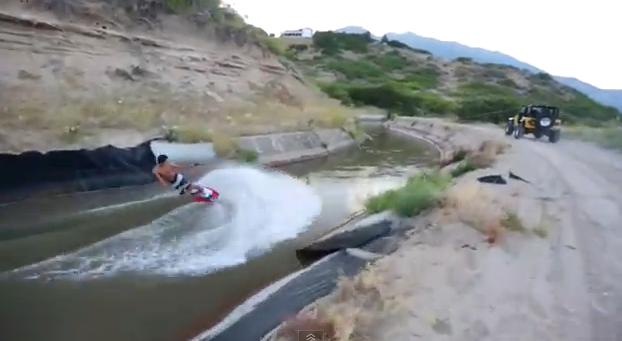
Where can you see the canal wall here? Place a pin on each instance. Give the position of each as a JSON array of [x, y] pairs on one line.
[[57, 172]]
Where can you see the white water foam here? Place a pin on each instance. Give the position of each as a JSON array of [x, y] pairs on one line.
[[257, 209]]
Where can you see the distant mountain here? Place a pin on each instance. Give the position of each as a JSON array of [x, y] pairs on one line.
[[611, 97], [356, 30], [452, 50]]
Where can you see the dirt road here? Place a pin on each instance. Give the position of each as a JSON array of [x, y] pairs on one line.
[[565, 284], [591, 179]]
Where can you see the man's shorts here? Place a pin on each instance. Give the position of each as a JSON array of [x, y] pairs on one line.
[[180, 184]]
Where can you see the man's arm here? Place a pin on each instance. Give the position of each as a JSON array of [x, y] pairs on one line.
[[180, 165]]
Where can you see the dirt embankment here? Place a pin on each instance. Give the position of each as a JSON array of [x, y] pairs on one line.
[[525, 260], [89, 79]]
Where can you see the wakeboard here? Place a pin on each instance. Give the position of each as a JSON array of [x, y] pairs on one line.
[[208, 195]]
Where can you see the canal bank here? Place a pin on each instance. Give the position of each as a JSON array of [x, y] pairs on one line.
[[183, 304]]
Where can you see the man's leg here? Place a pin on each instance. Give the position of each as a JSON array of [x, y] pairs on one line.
[[195, 189], [183, 185]]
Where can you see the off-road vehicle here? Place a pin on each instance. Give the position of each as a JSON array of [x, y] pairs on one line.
[[536, 119]]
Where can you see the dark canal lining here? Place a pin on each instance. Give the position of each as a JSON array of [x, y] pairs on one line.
[[153, 308]]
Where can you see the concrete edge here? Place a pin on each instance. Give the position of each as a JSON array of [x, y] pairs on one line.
[[420, 135]]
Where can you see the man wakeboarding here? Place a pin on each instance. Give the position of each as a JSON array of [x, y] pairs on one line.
[[168, 174]]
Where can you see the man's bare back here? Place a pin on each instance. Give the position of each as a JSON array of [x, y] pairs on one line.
[[168, 175]]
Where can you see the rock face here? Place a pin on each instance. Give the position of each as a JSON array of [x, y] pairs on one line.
[[72, 82]]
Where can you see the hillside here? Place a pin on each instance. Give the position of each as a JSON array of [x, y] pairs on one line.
[[85, 73], [358, 70], [453, 50]]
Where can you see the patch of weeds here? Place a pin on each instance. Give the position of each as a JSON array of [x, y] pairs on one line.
[[609, 137], [484, 157], [189, 134], [332, 117], [420, 193], [465, 166], [473, 204], [247, 155], [512, 222], [275, 45], [459, 155], [225, 145], [351, 312]]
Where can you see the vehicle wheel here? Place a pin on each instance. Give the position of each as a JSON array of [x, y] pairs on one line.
[[538, 134], [519, 131], [509, 128], [554, 135]]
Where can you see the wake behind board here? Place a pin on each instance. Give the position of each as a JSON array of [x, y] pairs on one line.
[[208, 195]]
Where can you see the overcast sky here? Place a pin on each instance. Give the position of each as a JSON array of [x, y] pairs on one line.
[[581, 39]]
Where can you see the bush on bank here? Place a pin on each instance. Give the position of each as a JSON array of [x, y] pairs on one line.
[[420, 193]]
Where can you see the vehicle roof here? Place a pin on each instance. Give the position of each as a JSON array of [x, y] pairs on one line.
[[542, 106]]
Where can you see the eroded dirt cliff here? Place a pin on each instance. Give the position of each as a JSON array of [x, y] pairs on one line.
[[88, 73]]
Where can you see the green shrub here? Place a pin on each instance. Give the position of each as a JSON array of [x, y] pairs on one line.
[[477, 89], [435, 104], [493, 73], [494, 109], [427, 78], [464, 60], [385, 96], [420, 193], [355, 69], [508, 83], [389, 61], [178, 6], [465, 166], [392, 95], [247, 155], [273, 44], [337, 90], [543, 77], [331, 43]]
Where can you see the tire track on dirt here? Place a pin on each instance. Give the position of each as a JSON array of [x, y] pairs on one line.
[[595, 198]]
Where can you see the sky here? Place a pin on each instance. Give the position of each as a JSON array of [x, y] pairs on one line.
[[581, 39]]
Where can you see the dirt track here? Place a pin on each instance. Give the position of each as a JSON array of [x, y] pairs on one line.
[[592, 193], [563, 286]]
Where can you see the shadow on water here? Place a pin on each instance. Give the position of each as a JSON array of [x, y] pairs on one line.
[[137, 307]]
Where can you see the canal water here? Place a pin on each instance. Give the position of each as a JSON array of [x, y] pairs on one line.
[[165, 270]]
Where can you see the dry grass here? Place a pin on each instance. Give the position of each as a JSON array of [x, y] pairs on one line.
[[189, 134], [608, 136], [474, 204], [512, 222], [69, 119], [487, 152], [483, 157], [349, 313], [225, 145]]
